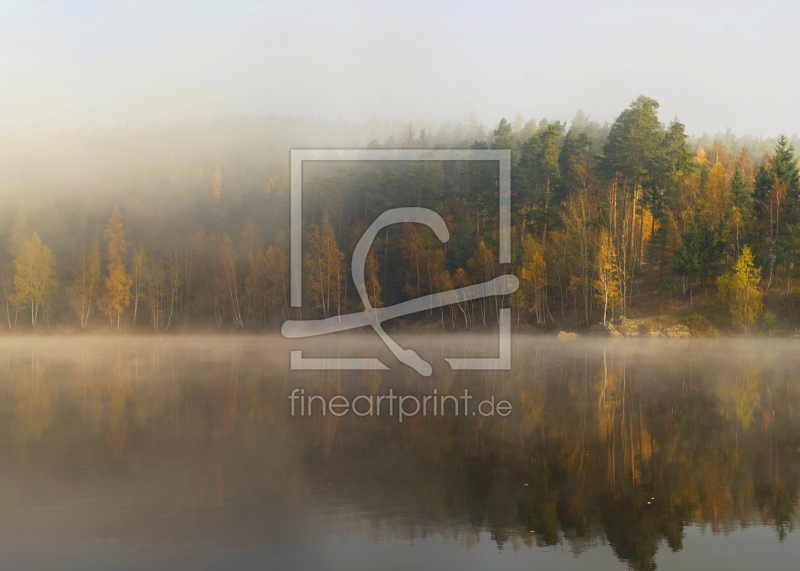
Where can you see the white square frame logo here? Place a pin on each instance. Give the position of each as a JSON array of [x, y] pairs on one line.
[[374, 317]]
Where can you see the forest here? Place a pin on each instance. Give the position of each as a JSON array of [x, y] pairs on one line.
[[167, 228]]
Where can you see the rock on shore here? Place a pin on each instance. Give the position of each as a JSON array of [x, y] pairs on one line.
[[624, 327]]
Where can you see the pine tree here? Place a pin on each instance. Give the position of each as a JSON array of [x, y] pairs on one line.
[[687, 262], [627, 161], [787, 246], [541, 172], [666, 166], [504, 139]]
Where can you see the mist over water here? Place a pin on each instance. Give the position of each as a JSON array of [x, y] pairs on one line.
[[182, 453]]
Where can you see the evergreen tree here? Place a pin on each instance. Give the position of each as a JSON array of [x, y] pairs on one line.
[[687, 261], [670, 160], [787, 245], [785, 167], [763, 185], [741, 196], [542, 172]]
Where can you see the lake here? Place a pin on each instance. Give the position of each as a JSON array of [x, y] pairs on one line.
[[183, 453]]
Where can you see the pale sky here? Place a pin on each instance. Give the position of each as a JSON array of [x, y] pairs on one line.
[[85, 63]]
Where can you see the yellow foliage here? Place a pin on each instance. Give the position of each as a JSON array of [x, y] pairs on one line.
[[606, 284], [532, 279], [325, 268], [748, 398], [117, 433], [86, 284], [35, 279], [713, 196], [741, 290], [117, 290], [701, 155]]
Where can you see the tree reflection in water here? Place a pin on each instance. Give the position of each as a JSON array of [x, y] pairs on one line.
[[190, 439]]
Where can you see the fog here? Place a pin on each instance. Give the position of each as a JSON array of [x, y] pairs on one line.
[[88, 64], [183, 190], [183, 450]]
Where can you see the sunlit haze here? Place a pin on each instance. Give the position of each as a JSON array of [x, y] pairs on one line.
[[88, 64]]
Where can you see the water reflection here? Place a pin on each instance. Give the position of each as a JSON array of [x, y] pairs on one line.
[[190, 442]]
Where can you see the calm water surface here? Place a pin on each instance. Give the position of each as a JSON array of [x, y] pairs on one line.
[[182, 453]]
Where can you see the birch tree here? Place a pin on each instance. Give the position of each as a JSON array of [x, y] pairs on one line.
[[35, 279], [86, 284]]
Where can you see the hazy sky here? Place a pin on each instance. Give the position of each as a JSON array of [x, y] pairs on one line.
[[85, 63]]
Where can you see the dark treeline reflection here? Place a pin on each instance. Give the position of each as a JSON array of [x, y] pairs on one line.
[[191, 439]]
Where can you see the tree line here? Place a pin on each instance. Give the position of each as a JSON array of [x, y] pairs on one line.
[[600, 212], [197, 279]]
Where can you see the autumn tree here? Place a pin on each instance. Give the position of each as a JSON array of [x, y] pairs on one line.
[[371, 281], [606, 285], [483, 267], [741, 290], [627, 161], [17, 241], [325, 269], [372, 284], [7, 296], [35, 279], [532, 280], [578, 214], [117, 286], [86, 283]]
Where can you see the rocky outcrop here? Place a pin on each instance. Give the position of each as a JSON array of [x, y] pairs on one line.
[[631, 327], [604, 329], [651, 328], [678, 331], [566, 336]]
